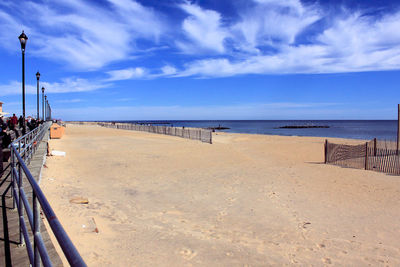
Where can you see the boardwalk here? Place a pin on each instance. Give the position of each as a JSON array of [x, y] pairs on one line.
[[9, 217]]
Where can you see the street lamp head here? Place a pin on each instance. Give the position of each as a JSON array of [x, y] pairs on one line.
[[22, 39], [43, 90], [37, 75]]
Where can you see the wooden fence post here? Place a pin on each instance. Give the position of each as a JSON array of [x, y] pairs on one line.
[[398, 129], [366, 155], [374, 147], [326, 151]]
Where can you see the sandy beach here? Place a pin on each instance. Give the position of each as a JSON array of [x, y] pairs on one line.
[[245, 200]]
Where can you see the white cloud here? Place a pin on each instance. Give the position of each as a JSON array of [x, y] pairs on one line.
[[176, 112], [124, 99], [75, 100], [273, 22], [352, 43], [14, 88], [293, 4], [9, 31], [67, 85], [168, 70], [267, 37], [74, 85], [127, 74], [81, 34], [204, 30], [243, 111], [142, 21], [360, 43], [141, 73]]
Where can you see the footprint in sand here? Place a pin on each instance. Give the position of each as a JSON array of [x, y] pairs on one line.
[[304, 225], [272, 195], [221, 215], [327, 260], [231, 199], [188, 254], [292, 258]]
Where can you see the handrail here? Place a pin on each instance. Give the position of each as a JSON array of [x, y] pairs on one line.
[[22, 150], [26, 142]]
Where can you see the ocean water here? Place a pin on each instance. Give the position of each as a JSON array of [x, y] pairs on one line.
[[354, 129]]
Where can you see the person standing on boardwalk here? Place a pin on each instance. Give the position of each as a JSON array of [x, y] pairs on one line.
[[14, 119], [21, 121], [3, 125]]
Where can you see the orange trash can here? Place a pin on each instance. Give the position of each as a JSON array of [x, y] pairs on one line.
[[56, 131]]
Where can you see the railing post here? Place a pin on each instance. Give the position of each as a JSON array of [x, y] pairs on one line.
[[20, 203], [36, 229], [29, 147], [24, 149], [13, 177], [6, 234]]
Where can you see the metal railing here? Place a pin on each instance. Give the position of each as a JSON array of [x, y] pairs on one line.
[[27, 144], [22, 151]]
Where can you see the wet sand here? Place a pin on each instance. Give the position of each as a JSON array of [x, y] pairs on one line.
[[245, 200]]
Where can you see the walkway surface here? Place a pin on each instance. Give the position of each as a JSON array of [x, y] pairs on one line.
[[9, 217]]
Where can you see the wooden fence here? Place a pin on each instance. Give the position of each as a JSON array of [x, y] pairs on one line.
[[203, 135], [189, 133], [375, 155]]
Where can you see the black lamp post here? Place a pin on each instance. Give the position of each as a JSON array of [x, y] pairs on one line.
[[43, 103], [37, 78], [22, 39]]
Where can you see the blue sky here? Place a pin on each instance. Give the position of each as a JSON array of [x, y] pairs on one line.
[[225, 59]]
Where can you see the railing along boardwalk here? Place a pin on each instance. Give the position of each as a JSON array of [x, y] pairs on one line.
[[203, 135], [9, 225], [24, 242], [375, 155]]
